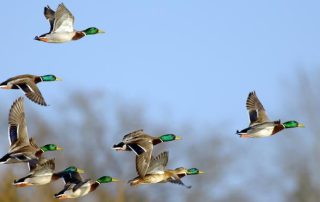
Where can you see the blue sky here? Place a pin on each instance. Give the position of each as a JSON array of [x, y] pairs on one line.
[[183, 60], [192, 60]]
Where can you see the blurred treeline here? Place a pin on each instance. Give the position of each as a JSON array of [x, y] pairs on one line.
[[281, 168]]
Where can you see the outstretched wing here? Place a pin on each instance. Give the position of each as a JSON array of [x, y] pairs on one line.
[[158, 163], [33, 163], [33, 143], [143, 159], [32, 91], [64, 20], [257, 113], [17, 130], [133, 135], [43, 166], [65, 188], [49, 14], [176, 180], [72, 177]]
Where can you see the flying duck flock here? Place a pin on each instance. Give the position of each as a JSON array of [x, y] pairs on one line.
[[150, 169]]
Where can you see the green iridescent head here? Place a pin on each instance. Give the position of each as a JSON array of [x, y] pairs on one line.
[[50, 147], [169, 137], [194, 171], [73, 169], [50, 77], [93, 30], [106, 179], [293, 124]]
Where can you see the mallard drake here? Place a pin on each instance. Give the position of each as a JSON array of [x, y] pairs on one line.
[[61, 26], [28, 84], [42, 172], [142, 145], [157, 173], [75, 187], [260, 125], [22, 149]]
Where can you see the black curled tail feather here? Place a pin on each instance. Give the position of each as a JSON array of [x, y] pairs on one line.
[[120, 145], [4, 158]]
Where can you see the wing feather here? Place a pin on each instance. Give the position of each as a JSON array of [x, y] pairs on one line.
[[257, 113], [17, 131], [133, 135], [158, 163], [49, 14], [72, 177], [32, 91], [143, 160], [64, 20], [176, 180]]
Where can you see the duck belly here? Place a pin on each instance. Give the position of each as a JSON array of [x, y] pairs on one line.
[[261, 132], [39, 180], [60, 37], [148, 179]]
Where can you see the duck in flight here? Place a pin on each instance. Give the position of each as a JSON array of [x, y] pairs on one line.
[[28, 84], [157, 172], [42, 172], [22, 149], [76, 187], [260, 125], [142, 145], [61, 26]]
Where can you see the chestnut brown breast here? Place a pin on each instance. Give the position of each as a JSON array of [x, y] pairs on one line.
[[78, 35]]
